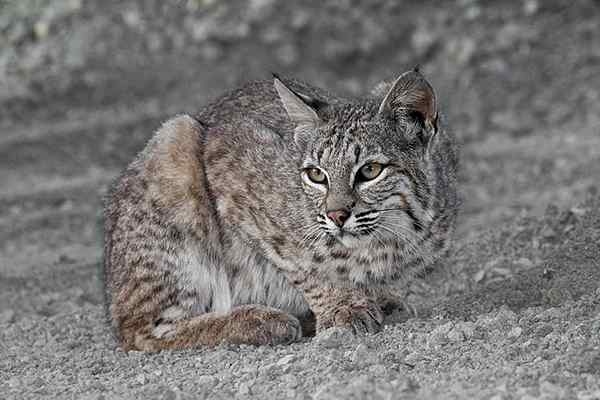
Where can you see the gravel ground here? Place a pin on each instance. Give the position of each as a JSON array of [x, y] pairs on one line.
[[514, 313]]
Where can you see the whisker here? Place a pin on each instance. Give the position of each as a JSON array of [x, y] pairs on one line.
[[399, 231], [398, 218], [313, 232]]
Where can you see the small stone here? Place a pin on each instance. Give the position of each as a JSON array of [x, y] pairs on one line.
[[548, 232], [377, 369], [445, 328], [543, 330], [456, 335], [579, 211], [525, 262], [479, 275], [41, 29], [132, 18], [515, 332], [290, 380], [7, 316], [285, 360], [334, 337], [244, 389], [14, 382], [473, 12], [412, 359], [141, 379], [550, 388], [530, 7], [363, 356], [550, 314], [588, 395], [405, 385], [468, 329], [206, 381], [506, 315], [528, 397]]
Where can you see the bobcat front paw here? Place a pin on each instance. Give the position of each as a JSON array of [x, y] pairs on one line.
[[360, 317], [261, 325]]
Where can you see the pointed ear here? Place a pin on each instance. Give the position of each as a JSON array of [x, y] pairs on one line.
[[411, 92], [301, 109]]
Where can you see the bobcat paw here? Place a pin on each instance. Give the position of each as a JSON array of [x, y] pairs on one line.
[[166, 330], [360, 317], [165, 327], [261, 325]]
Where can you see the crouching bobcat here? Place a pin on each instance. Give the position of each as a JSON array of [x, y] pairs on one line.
[[276, 208]]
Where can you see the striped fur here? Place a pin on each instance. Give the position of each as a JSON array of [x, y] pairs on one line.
[[214, 234]]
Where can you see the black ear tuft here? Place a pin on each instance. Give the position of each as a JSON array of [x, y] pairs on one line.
[[203, 124]]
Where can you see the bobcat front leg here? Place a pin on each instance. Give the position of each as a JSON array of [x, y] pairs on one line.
[[345, 307], [248, 324]]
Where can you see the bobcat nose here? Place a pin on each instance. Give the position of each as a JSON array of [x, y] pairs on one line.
[[338, 216]]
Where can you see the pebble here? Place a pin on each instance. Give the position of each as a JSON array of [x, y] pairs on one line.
[[334, 337], [41, 29], [206, 381], [530, 7], [285, 360], [7, 316], [456, 335], [552, 390], [468, 329], [363, 356], [515, 332], [543, 330], [525, 262], [244, 389]]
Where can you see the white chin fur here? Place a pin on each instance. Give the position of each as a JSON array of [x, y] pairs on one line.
[[350, 241]]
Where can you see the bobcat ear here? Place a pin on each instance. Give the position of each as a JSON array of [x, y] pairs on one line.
[[412, 92], [301, 109]]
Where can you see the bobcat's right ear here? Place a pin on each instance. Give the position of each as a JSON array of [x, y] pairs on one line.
[[301, 109]]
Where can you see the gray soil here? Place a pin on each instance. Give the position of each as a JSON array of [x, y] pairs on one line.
[[513, 313]]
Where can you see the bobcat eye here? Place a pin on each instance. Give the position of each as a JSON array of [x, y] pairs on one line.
[[370, 171], [316, 175]]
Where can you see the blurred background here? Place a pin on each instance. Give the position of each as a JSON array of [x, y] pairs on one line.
[[83, 84]]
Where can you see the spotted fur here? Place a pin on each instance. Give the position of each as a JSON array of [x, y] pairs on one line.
[[214, 233]]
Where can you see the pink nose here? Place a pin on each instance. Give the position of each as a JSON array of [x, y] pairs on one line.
[[338, 216]]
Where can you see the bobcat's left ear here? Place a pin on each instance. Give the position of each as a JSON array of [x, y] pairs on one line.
[[412, 92], [301, 109]]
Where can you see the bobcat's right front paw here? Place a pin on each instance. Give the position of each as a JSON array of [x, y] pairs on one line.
[[261, 325], [361, 317]]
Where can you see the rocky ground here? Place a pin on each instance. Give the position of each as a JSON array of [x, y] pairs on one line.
[[514, 313]]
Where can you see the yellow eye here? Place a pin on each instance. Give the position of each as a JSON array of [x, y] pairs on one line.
[[370, 171], [316, 175]]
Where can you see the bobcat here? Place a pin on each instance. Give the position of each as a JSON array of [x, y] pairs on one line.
[[278, 210]]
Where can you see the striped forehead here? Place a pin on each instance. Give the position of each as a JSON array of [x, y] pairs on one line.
[[348, 138], [344, 149]]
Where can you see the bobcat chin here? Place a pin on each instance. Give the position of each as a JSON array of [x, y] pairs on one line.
[[278, 210]]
